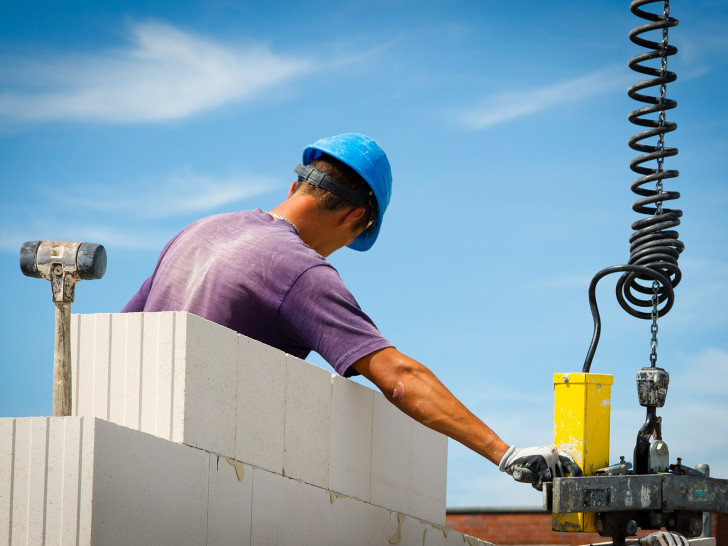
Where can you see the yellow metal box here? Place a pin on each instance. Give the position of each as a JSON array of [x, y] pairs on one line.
[[581, 428]]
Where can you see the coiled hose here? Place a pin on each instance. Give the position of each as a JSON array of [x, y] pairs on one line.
[[654, 245]]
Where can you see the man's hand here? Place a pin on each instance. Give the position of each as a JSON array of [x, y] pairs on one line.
[[536, 465]]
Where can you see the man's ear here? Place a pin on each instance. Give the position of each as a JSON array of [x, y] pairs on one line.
[[290, 190], [354, 215]]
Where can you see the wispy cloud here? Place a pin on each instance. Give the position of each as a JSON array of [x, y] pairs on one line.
[[163, 74], [126, 214], [178, 193], [505, 107]]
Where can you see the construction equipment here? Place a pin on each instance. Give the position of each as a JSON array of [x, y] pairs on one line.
[[64, 263], [617, 500]]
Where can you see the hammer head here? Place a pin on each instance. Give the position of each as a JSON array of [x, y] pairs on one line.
[[63, 263]]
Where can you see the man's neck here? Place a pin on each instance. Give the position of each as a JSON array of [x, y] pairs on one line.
[[319, 229]]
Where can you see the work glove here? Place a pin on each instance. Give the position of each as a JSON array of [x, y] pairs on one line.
[[536, 465], [664, 538]]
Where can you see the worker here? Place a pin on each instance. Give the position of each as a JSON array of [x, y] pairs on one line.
[[264, 274]]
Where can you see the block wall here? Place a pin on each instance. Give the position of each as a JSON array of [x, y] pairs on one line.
[[181, 378], [86, 481]]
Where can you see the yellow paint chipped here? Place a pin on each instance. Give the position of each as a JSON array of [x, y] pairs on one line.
[[396, 538], [238, 466], [581, 428], [434, 527], [333, 496]]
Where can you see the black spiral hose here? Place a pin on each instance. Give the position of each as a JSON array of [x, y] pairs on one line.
[[654, 245]]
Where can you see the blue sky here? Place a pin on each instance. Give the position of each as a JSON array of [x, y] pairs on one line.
[[506, 127]]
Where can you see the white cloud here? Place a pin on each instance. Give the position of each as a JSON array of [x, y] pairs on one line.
[[126, 214], [506, 107], [157, 197], [164, 74]]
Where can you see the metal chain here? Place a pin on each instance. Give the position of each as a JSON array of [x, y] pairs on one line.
[[659, 188], [663, 93], [653, 328]]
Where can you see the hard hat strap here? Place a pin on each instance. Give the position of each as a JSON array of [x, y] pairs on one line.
[[315, 177]]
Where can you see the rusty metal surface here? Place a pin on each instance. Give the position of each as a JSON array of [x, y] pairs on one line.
[[695, 493], [607, 493], [57, 262], [665, 492]]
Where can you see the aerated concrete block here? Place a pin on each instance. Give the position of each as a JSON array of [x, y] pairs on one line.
[[287, 511], [351, 438], [229, 509], [359, 522], [86, 481], [211, 374], [170, 374], [147, 490], [428, 474], [261, 405], [391, 440], [409, 531], [307, 427]]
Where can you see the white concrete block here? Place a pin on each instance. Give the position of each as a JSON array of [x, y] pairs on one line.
[[147, 490], [87, 481], [280, 512], [90, 368], [75, 347], [455, 538], [63, 479], [351, 438], [287, 511], [41, 484], [409, 531], [30, 481], [173, 375], [261, 405], [351, 521], [132, 354], [102, 349], [126, 332], [428, 474], [230, 504], [211, 374], [7, 448], [307, 426], [157, 370], [391, 439]]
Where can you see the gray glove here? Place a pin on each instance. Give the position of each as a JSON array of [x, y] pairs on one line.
[[536, 465], [664, 538]]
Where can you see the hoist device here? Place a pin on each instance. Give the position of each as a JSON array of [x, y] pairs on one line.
[[650, 493]]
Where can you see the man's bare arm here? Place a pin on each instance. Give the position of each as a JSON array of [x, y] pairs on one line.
[[415, 390]]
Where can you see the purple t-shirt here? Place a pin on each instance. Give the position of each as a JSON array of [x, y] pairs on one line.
[[254, 274]]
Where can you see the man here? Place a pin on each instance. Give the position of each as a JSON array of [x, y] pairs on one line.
[[264, 274]]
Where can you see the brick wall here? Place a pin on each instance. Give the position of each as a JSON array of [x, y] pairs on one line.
[[531, 527]]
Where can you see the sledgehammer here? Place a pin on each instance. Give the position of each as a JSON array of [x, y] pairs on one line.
[[64, 263]]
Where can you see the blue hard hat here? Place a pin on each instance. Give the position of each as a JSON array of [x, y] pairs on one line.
[[367, 158]]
